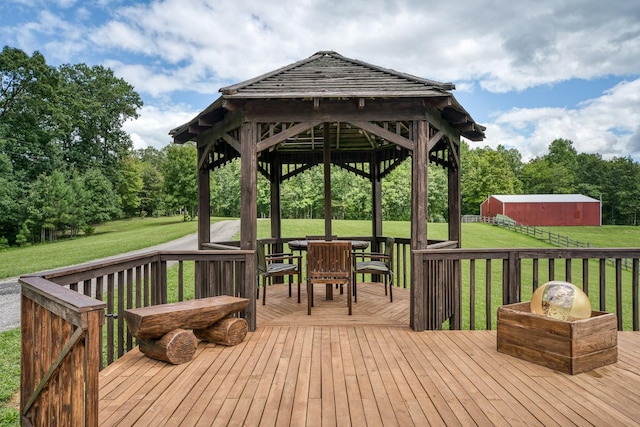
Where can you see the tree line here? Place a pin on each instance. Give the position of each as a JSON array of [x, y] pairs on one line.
[[66, 164]]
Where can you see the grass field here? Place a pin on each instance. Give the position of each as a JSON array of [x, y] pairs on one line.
[[606, 236], [112, 238], [123, 236]]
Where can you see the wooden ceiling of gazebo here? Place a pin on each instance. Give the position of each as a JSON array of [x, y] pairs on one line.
[[369, 108]]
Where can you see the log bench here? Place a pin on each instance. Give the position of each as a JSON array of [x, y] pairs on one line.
[[171, 332]]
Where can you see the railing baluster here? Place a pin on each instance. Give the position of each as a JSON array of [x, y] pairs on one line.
[[139, 286], [86, 287], [110, 328], [120, 318], [488, 293], [585, 275], [146, 285], [129, 304], [472, 294], [634, 294], [619, 292], [180, 280], [603, 284]]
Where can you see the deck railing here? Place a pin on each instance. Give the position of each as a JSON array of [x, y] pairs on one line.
[[473, 283], [67, 336], [66, 332], [60, 357]]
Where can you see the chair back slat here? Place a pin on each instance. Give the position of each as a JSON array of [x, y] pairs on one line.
[[326, 260]]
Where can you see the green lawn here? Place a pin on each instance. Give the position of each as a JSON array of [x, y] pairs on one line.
[[606, 236], [10, 375], [112, 238], [474, 235]]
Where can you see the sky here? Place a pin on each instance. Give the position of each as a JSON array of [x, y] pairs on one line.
[[530, 71]]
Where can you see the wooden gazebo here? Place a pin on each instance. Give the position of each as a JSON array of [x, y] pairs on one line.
[[332, 110]]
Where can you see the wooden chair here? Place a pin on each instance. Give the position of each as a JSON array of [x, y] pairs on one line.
[[328, 263], [277, 265], [375, 264]]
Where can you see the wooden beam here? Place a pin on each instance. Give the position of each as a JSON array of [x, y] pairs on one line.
[[327, 180], [202, 157], [276, 139], [232, 120], [454, 155], [434, 140], [204, 202], [249, 214], [434, 116], [455, 228], [376, 200], [231, 105], [383, 133], [234, 143], [276, 210], [419, 195], [333, 110]]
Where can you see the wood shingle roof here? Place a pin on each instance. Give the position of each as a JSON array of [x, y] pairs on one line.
[[330, 75]]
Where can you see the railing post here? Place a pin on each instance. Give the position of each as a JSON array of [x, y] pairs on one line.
[[67, 355], [511, 289]]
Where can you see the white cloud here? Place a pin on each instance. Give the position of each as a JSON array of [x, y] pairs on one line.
[[151, 129], [504, 47], [197, 46], [607, 125]]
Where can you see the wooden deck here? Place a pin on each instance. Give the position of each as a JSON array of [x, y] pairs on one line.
[[367, 369]]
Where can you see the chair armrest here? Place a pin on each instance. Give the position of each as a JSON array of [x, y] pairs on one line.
[[370, 255], [282, 257]]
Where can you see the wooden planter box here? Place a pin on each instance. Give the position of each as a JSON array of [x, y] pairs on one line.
[[569, 347]]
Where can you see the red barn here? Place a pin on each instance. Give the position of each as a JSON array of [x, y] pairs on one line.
[[544, 209]]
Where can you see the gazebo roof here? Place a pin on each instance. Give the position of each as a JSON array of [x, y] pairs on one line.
[[329, 75]]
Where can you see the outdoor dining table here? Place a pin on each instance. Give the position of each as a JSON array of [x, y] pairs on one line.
[[301, 245]]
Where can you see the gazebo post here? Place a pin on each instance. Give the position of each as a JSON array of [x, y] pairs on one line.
[[275, 209], [376, 200], [204, 203], [249, 213], [418, 317], [326, 133], [455, 199], [455, 226]]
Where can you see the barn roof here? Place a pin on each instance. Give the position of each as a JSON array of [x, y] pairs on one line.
[[329, 75], [544, 198]]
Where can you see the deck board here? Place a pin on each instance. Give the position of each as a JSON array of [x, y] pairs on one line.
[[331, 369]]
